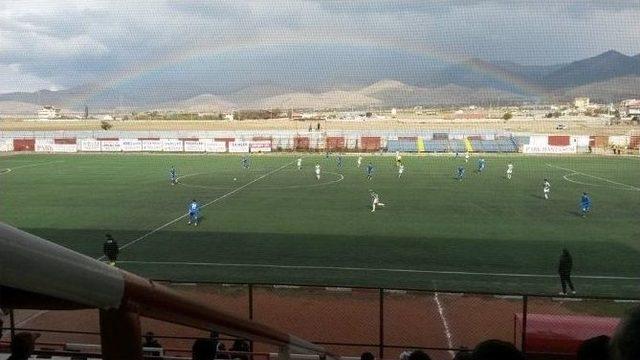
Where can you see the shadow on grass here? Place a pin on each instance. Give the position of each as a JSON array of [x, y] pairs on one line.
[[196, 255]]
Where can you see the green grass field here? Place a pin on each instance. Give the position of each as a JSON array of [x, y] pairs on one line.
[[276, 224]]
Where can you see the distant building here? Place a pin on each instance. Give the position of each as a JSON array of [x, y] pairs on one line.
[[581, 102], [48, 113], [308, 115], [630, 107]]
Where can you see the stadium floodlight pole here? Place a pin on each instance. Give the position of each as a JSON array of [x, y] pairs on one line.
[[32, 264]]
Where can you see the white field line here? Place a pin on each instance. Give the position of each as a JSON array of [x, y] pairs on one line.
[[445, 323], [567, 177], [410, 271], [595, 177], [32, 317], [131, 243], [8, 170]]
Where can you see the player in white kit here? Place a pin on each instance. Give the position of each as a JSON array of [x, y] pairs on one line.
[[546, 189], [509, 170], [318, 171], [359, 161], [375, 201], [400, 170], [299, 163]]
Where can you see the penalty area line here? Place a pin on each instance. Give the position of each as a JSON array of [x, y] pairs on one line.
[[167, 224], [362, 269], [594, 177], [8, 170]]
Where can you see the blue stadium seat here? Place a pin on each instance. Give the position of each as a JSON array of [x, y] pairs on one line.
[[402, 146], [436, 145], [457, 146]]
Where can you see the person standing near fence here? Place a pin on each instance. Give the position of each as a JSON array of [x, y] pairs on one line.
[[565, 265], [110, 249]]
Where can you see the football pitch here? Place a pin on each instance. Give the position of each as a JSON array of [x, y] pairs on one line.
[[273, 223]]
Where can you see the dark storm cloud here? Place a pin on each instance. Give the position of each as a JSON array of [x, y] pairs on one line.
[[72, 42]]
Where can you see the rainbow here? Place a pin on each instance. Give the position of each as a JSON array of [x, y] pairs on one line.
[[178, 56]]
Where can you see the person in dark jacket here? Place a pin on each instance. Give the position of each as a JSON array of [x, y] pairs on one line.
[[23, 346], [110, 249], [625, 344], [565, 265], [595, 348], [203, 349], [367, 356], [238, 348], [496, 349]]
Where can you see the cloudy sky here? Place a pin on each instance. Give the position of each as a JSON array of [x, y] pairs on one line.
[[51, 44]]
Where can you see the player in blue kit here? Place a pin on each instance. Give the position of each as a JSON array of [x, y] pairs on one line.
[[194, 212], [585, 204], [245, 162], [339, 161], [370, 171], [481, 165], [460, 172], [172, 175]]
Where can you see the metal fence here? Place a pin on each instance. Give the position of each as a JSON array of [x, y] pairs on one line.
[[350, 321]]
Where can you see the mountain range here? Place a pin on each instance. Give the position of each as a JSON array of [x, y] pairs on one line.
[[607, 77]]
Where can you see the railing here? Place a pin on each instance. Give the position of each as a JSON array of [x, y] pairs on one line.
[[37, 274], [352, 320]]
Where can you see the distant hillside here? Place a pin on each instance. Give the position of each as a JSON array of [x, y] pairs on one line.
[[205, 103], [606, 66], [534, 73], [326, 100], [250, 94], [18, 108], [607, 91], [389, 94], [611, 76]]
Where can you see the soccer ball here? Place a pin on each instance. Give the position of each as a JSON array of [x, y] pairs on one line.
[[235, 179]]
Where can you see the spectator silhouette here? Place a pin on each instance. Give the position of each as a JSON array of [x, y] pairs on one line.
[[23, 345], [419, 355], [242, 346], [405, 354], [625, 344], [596, 348], [222, 352], [203, 349], [463, 355], [367, 356], [151, 342], [496, 350]]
